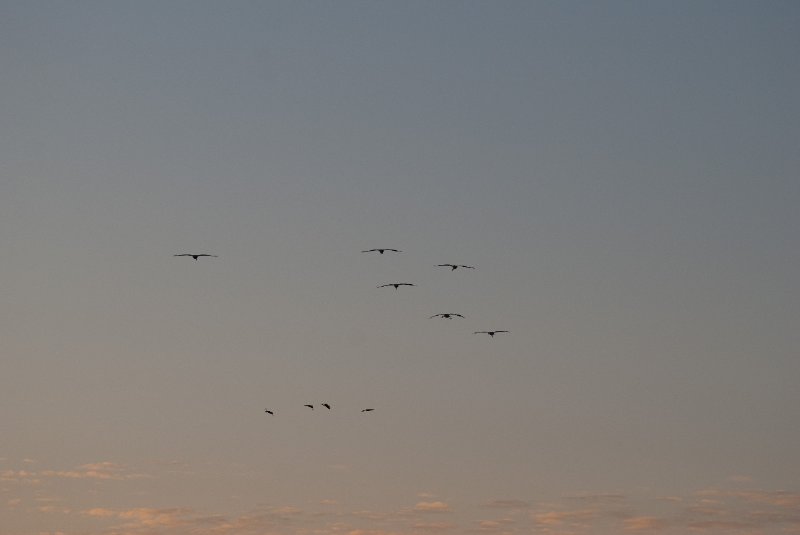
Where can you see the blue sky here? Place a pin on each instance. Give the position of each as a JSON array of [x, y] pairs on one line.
[[623, 176]]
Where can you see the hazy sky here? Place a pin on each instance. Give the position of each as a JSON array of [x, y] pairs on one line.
[[624, 176]]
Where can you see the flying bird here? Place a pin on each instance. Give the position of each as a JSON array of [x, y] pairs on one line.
[[327, 406], [490, 333], [454, 267], [309, 406], [367, 410], [382, 250], [196, 256], [268, 411], [397, 285], [448, 316]]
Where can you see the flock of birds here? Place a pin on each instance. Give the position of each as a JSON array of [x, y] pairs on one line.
[[395, 285]]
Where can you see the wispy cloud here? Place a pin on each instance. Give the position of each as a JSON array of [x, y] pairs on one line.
[[507, 504], [644, 523], [432, 507]]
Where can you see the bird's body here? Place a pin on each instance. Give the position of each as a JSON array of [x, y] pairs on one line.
[[448, 316], [454, 267], [381, 251], [326, 405], [196, 256], [367, 410], [396, 284], [268, 411], [309, 406], [490, 333]]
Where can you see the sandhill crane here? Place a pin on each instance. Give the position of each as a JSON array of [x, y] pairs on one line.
[[454, 267], [309, 406], [490, 333], [268, 411], [367, 410], [327, 406], [447, 316], [196, 256], [382, 250], [397, 285]]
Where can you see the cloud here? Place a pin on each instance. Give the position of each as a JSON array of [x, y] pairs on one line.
[[555, 518], [434, 526], [432, 507], [644, 523], [507, 504], [102, 470]]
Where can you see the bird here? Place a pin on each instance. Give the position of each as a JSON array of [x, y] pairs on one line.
[[448, 316], [367, 410], [454, 267], [196, 256], [309, 406], [268, 411], [397, 285], [382, 250], [490, 333], [327, 406]]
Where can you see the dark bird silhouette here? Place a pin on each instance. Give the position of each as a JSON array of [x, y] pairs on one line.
[[382, 250], [397, 285], [454, 267], [490, 333], [367, 410], [448, 316], [196, 256], [327, 406], [268, 411], [309, 406]]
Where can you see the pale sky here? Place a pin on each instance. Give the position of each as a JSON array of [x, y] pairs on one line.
[[623, 175]]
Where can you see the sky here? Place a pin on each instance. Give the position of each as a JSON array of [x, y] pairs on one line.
[[622, 175]]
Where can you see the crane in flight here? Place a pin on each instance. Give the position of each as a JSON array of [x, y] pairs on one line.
[[326, 405], [447, 316], [490, 333], [196, 256], [309, 406], [367, 410], [382, 250], [397, 285], [268, 411], [454, 267]]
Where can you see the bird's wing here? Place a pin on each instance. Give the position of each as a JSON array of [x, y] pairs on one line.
[[184, 254], [459, 315], [435, 316], [469, 267], [369, 250], [444, 265], [481, 332], [502, 331]]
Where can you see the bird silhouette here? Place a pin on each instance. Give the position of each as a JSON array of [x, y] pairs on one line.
[[327, 406], [454, 267], [397, 285], [309, 406], [448, 316], [490, 333], [268, 411], [196, 256], [382, 250], [367, 410]]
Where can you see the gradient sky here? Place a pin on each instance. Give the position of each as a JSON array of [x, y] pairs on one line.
[[623, 175]]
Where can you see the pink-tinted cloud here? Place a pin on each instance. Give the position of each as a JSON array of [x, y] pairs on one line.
[[644, 523], [432, 507]]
